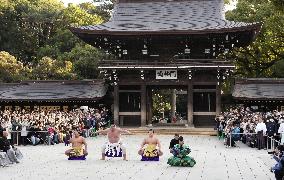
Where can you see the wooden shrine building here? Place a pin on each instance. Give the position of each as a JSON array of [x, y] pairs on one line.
[[167, 44], [260, 94], [52, 95]]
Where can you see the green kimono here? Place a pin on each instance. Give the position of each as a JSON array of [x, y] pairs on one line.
[[181, 157]]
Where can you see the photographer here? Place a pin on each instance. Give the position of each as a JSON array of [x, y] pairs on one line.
[[13, 154], [220, 125], [278, 167]]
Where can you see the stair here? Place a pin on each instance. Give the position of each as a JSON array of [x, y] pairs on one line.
[[169, 125], [173, 130]]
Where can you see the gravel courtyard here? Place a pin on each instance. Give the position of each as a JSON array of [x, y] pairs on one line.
[[214, 162]]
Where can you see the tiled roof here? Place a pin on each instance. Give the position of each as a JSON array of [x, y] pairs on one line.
[[52, 90], [193, 16], [259, 89]]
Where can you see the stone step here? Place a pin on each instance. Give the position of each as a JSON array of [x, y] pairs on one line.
[[174, 130], [169, 125], [180, 133]]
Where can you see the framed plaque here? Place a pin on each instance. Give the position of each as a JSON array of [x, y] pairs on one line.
[[166, 74]]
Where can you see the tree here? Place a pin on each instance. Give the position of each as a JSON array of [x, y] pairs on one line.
[[63, 40], [37, 33], [65, 46], [26, 25], [49, 69], [11, 69], [32, 29], [104, 9], [161, 99], [85, 59], [79, 15], [259, 59]]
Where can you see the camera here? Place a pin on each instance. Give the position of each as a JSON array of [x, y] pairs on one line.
[[272, 152]]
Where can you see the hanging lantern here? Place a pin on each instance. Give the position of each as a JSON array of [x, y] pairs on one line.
[[227, 37], [142, 74], [218, 77], [144, 51], [207, 51], [187, 51], [189, 74]]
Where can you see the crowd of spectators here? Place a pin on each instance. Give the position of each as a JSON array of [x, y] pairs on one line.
[[256, 129], [51, 127]]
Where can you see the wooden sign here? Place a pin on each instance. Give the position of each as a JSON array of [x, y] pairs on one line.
[[166, 74]]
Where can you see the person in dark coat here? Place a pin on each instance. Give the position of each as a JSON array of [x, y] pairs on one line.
[[5, 146], [15, 128], [1, 131], [174, 141], [278, 168], [271, 127], [4, 143]]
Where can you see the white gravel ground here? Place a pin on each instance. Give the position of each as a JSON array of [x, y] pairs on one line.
[[214, 162]]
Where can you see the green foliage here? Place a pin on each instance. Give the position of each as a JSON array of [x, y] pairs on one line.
[[25, 25], [161, 100], [36, 32], [105, 9], [85, 58], [63, 41], [48, 69], [278, 69], [279, 4], [227, 1], [11, 69], [258, 59], [78, 16]]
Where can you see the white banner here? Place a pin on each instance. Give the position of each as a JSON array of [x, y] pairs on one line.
[[166, 74]]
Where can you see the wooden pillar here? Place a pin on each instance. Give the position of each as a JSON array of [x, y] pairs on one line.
[[143, 105], [173, 103], [218, 99], [190, 103], [116, 105], [149, 107]]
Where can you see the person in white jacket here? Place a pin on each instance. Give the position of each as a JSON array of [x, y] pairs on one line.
[[281, 130], [260, 129], [24, 132]]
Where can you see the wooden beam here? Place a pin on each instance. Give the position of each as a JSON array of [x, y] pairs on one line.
[[204, 113], [155, 83], [130, 113], [130, 91], [204, 90]]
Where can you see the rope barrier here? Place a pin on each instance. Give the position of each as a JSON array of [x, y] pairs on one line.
[[17, 134], [273, 141]]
